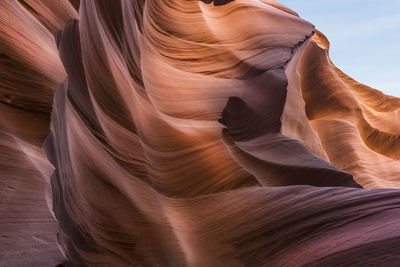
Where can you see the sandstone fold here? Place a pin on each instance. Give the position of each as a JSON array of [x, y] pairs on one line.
[[188, 133]]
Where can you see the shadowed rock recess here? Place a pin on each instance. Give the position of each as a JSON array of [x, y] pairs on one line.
[[188, 133]]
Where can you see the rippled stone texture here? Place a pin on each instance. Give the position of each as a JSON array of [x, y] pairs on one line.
[[188, 133]]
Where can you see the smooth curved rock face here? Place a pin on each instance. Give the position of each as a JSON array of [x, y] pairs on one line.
[[30, 70], [188, 133]]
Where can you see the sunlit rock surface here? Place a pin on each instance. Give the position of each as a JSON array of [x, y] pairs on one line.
[[188, 133]]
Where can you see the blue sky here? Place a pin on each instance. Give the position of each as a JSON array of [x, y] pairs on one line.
[[364, 37]]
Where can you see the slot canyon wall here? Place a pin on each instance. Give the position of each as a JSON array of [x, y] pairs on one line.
[[188, 133]]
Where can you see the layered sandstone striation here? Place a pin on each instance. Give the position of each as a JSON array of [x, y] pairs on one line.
[[188, 133]]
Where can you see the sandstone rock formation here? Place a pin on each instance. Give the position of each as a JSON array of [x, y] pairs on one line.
[[188, 133]]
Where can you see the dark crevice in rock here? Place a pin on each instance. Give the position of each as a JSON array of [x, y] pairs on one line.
[[217, 2], [297, 46]]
